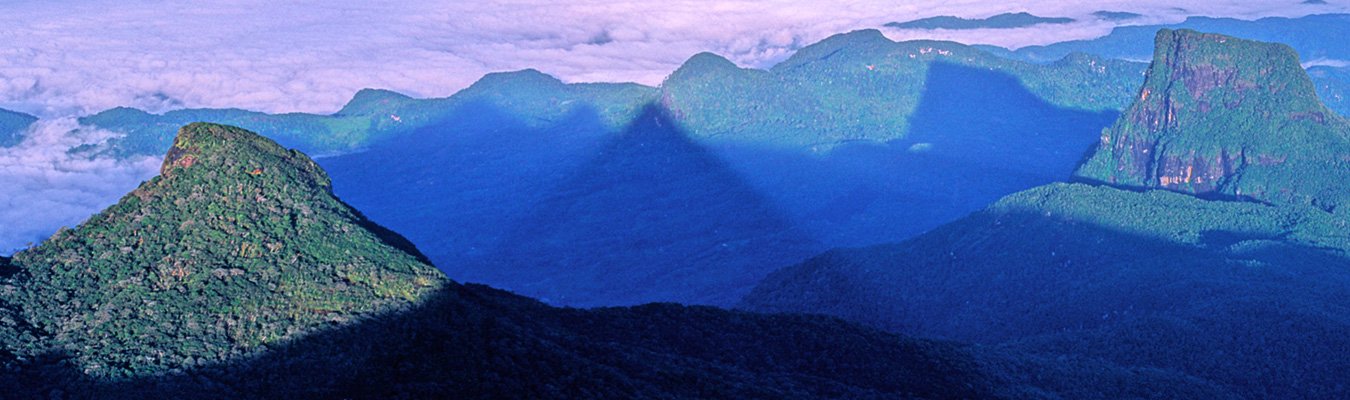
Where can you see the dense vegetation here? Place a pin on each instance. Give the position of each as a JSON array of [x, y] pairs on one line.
[[238, 244], [236, 274], [12, 126], [862, 86], [1244, 295], [1000, 21], [1230, 117], [373, 116]]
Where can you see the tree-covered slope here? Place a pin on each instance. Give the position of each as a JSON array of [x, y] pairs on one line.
[[373, 116], [1224, 116], [12, 126], [1246, 295], [862, 86], [238, 244], [237, 274]]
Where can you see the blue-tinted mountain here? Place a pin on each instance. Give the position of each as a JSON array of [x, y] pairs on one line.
[[1000, 21], [12, 126], [1243, 295], [374, 116], [861, 86], [1221, 116], [1116, 15], [1314, 36], [493, 195], [236, 274], [1333, 86], [1140, 277], [651, 216]]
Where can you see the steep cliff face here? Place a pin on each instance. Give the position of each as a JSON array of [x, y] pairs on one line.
[[1226, 117]]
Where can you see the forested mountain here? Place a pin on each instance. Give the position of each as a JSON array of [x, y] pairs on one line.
[[238, 243], [236, 273], [12, 126], [374, 116], [1246, 295], [862, 86], [820, 151], [1319, 40], [1229, 117]]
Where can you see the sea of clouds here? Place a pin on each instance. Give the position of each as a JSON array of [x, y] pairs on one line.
[[83, 56], [75, 57], [46, 186]]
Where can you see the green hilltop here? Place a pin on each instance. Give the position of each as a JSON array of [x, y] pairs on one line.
[[863, 86], [1224, 116], [238, 244]]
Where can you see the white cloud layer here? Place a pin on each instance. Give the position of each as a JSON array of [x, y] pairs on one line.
[[45, 187], [80, 56]]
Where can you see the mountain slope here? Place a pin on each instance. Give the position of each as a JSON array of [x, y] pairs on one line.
[[1230, 117], [236, 274], [238, 243], [653, 216], [1242, 294], [374, 116], [862, 86]]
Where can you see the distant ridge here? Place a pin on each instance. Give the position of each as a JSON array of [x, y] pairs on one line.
[[1000, 21]]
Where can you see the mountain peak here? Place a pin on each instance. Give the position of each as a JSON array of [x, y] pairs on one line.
[[368, 101], [505, 81], [1228, 117], [702, 64], [235, 224], [234, 152]]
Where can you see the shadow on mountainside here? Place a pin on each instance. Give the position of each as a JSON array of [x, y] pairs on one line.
[[477, 342], [977, 135], [1248, 309], [653, 216], [572, 212]]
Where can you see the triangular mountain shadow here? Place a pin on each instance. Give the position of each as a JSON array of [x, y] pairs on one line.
[[453, 187], [653, 217], [988, 121]]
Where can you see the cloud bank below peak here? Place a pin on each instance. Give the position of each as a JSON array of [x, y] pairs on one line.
[[83, 56], [48, 186]]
